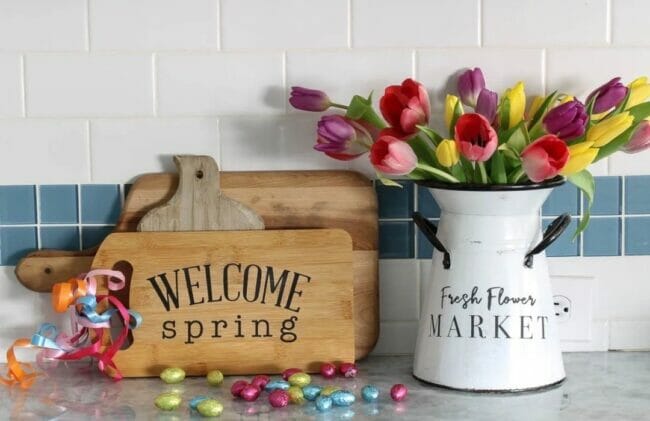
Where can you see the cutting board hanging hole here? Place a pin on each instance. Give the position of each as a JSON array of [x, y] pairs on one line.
[[123, 295]]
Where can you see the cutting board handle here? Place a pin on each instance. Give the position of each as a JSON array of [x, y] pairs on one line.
[[198, 204]]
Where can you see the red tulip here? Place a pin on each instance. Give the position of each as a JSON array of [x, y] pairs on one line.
[[404, 107], [475, 138], [544, 158], [390, 155]]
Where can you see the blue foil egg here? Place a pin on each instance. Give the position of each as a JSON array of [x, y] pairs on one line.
[[196, 401], [370, 393], [311, 392], [342, 398], [323, 403], [277, 384]]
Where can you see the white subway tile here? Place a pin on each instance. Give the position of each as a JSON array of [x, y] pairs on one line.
[[630, 22], [272, 143], [544, 23], [415, 23], [343, 74], [40, 25], [11, 101], [153, 24], [399, 286], [623, 164], [396, 338], [284, 24], [73, 85], [220, 83], [125, 148], [43, 151], [629, 335]]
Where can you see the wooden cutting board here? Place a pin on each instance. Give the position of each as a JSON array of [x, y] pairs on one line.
[[284, 199]]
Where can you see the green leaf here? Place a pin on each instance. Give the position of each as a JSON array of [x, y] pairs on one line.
[[546, 105], [388, 182], [435, 137], [468, 169], [424, 150], [457, 171], [504, 113], [358, 107], [585, 182], [519, 138], [640, 112], [497, 169], [458, 111]]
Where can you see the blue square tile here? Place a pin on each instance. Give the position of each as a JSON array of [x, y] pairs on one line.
[[396, 240], [15, 242], [62, 238], [564, 246], [602, 237], [562, 199], [93, 236], [100, 203], [17, 205], [637, 236], [607, 200], [425, 248], [395, 202], [637, 194], [427, 206], [59, 204]]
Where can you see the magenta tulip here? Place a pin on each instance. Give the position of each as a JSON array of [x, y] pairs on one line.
[[544, 158], [640, 140], [309, 99], [470, 84], [567, 121], [475, 138], [486, 104], [608, 95], [342, 138], [390, 155]]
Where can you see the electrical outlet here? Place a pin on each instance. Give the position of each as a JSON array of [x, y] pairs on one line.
[[572, 300]]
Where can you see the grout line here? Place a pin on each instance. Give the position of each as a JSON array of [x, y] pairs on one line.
[[154, 83], [414, 64], [219, 25], [64, 225], [623, 216], [87, 27], [81, 246], [89, 152], [284, 82], [544, 82], [581, 238], [349, 40], [480, 23], [608, 21], [37, 192], [416, 206], [23, 86]]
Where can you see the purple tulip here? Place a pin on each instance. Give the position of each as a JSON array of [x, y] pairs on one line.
[[640, 140], [486, 105], [608, 95], [470, 85], [567, 121], [342, 138], [309, 99]]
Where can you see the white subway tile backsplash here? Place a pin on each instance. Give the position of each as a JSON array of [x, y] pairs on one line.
[[220, 83], [43, 151], [343, 74], [122, 149], [544, 23], [72, 85], [399, 286], [271, 143], [11, 101], [284, 24], [630, 22], [624, 164], [153, 24], [43, 25], [415, 23]]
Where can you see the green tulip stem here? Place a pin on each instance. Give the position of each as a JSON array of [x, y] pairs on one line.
[[516, 176], [481, 167], [341, 106], [437, 172]]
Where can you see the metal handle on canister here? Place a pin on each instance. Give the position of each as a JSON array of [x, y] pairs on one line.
[[552, 232], [429, 229]]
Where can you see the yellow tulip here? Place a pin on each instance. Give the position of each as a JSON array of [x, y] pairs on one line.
[[581, 155], [607, 130], [566, 98], [517, 97], [447, 153], [450, 106], [534, 106], [639, 92]]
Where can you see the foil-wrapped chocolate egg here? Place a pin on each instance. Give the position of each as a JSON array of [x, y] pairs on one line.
[[398, 392], [172, 375], [289, 372], [215, 378], [210, 408], [328, 390], [328, 370], [276, 384], [260, 381], [196, 401], [279, 398], [250, 393], [311, 392], [237, 387], [370, 393], [342, 398], [168, 401], [323, 403], [299, 379], [348, 369], [296, 395]]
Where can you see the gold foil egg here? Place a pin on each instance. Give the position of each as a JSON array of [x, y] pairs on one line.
[[300, 379], [296, 395]]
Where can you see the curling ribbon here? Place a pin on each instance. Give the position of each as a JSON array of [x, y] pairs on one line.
[[90, 317]]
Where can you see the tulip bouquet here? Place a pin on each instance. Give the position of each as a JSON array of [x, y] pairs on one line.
[[487, 139]]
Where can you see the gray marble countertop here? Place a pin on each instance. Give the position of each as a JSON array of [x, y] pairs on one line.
[[599, 386]]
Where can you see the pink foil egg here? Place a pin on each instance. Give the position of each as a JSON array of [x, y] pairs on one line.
[[348, 369], [398, 392], [328, 370], [250, 393], [237, 387], [260, 381], [289, 372], [279, 398]]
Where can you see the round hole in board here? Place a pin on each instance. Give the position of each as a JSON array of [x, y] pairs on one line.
[[47, 270], [199, 174]]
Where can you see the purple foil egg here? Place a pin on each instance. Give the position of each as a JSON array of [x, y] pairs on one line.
[[348, 369], [328, 370], [398, 392], [250, 393], [260, 381], [289, 372], [279, 398], [237, 387]]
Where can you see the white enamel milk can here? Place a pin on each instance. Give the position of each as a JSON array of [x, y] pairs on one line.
[[488, 320]]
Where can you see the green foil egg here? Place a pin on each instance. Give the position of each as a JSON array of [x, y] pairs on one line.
[[300, 379], [215, 378], [210, 408], [172, 375], [168, 401]]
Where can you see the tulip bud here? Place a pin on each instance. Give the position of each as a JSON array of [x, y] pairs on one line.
[[640, 140], [535, 104], [639, 92], [342, 138], [607, 96], [581, 155], [309, 99], [486, 105], [544, 158], [447, 153], [517, 98], [475, 138], [470, 84], [389, 155], [452, 105], [567, 120], [607, 130], [405, 107]]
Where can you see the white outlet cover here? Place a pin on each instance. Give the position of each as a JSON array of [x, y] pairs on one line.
[[580, 290]]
